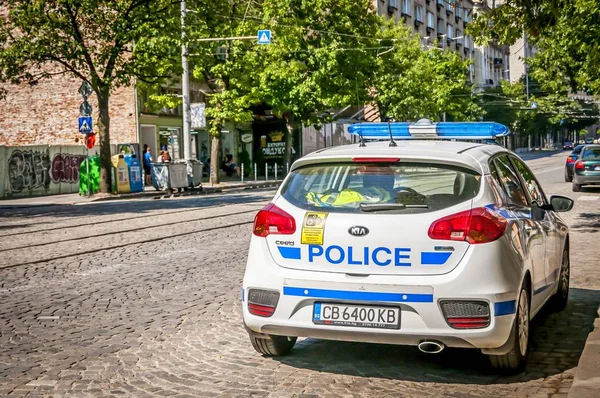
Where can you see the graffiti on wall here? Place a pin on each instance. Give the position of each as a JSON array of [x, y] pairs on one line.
[[65, 168], [28, 170]]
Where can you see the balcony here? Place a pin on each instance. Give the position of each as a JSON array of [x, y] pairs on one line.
[[418, 23], [498, 63], [430, 29]]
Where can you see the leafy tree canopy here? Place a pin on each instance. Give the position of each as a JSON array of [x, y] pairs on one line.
[[566, 33], [106, 43]]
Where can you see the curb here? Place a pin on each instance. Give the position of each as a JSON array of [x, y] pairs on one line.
[[586, 383], [202, 191]]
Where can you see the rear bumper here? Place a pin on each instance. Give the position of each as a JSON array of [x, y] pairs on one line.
[[477, 278], [586, 179], [569, 170]]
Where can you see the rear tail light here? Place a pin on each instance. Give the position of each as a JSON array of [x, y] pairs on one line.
[[262, 302], [579, 165], [272, 220], [570, 160], [475, 226], [466, 314]]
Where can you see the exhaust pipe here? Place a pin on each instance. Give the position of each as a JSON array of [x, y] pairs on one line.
[[431, 347]]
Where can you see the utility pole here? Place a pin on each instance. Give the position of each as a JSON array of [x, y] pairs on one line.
[[185, 88]]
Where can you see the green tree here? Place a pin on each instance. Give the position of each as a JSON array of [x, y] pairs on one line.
[[322, 58], [106, 44], [411, 83], [566, 33]]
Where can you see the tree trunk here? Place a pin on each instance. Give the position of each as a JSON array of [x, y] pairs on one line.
[[103, 95], [215, 160], [289, 139]]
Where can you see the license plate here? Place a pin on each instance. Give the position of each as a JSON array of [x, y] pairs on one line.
[[356, 315]]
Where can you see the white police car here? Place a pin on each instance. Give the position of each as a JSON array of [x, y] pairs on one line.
[[423, 242]]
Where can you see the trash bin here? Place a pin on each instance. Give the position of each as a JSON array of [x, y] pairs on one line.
[[135, 173], [160, 176], [169, 176], [94, 176], [195, 175], [178, 175], [121, 172]]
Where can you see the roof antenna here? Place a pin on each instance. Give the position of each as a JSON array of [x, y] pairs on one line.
[[362, 141], [392, 142]]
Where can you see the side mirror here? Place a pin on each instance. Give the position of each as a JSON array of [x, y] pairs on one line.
[[561, 203]]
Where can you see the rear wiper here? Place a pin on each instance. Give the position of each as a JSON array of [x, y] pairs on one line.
[[389, 206]]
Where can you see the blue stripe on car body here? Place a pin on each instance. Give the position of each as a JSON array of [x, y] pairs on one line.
[[505, 308], [357, 296]]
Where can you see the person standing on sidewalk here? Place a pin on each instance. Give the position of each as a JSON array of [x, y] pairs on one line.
[[148, 166]]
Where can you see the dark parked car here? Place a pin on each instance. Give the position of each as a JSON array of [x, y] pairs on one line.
[[587, 168], [571, 159], [568, 145]]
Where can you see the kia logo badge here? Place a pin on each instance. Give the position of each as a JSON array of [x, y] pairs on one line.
[[357, 230]]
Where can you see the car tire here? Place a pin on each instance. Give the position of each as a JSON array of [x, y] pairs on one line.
[[576, 187], [558, 302], [514, 361], [273, 345], [568, 178]]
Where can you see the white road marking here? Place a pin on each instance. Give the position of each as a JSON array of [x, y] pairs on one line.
[[548, 170], [588, 198]]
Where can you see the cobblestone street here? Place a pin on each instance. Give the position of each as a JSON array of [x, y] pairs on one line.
[[142, 299]]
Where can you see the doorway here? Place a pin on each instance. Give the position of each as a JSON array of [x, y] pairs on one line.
[[148, 137]]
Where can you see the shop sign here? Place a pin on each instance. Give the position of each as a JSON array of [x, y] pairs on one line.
[[246, 138], [274, 149]]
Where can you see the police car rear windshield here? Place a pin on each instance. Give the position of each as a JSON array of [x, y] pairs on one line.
[[380, 187]]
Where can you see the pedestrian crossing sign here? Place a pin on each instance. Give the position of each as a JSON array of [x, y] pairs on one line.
[[264, 37], [85, 124]]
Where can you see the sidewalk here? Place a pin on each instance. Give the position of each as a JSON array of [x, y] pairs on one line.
[[149, 193], [587, 376]]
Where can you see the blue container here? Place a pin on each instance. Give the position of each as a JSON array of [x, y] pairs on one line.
[[135, 173]]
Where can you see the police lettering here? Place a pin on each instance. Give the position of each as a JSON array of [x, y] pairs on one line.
[[380, 256]]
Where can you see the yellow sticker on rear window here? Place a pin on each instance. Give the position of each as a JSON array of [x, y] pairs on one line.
[[313, 228]]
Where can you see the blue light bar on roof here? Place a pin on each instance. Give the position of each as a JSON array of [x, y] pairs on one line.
[[424, 129]]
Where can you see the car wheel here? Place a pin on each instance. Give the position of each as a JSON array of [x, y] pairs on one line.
[[514, 361], [568, 178], [576, 187], [273, 345], [558, 302]]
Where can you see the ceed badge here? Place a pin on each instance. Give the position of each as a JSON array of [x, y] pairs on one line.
[[313, 228]]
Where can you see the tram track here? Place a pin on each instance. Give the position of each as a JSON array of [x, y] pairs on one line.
[[50, 217], [136, 229], [127, 244]]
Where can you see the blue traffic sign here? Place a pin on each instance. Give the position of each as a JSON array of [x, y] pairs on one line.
[[264, 37], [85, 124]]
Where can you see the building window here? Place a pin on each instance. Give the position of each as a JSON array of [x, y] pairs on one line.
[[419, 13], [467, 42], [406, 7], [440, 4], [430, 20], [448, 7], [440, 27], [466, 17], [450, 32], [459, 38], [393, 3]]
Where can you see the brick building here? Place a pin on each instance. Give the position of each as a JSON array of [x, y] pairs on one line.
[[46, 113]]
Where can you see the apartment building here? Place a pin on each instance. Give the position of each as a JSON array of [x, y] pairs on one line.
[[446, 22], [519, 51], [434, 20]]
